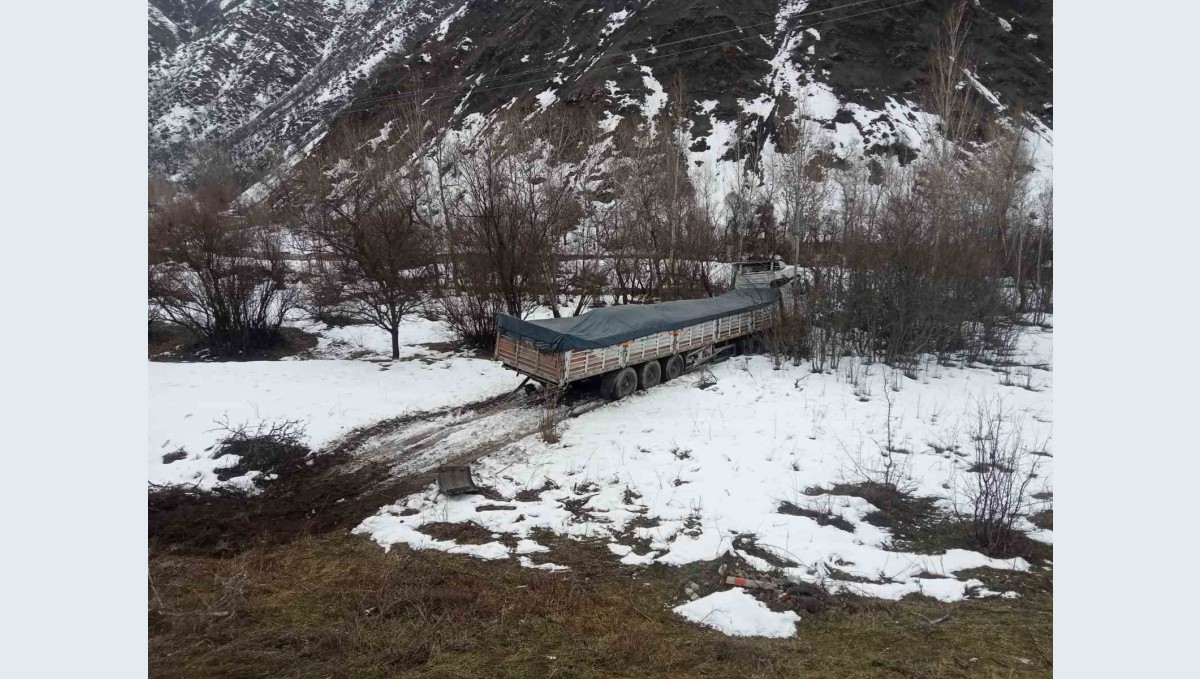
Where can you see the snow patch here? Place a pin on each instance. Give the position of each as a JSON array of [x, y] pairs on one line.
[[736, 613], [444, 26], [657, 97], [546, 98], [615, 21], [760, 107], [187, 400], [610, 122]]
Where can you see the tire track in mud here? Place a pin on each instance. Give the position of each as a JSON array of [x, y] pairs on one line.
[[416, 444]]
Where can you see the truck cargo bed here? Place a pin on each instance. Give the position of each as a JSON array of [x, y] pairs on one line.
[[558, 351]]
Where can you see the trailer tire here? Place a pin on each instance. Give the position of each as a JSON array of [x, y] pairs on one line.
[[649, 374], [756, 345], [618, 384], [672, 367]]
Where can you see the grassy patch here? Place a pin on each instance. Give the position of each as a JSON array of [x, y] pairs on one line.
[[165, 339], [337, 605], [463, 533], [918, 525], [748, 545], [914, 521], [174, 456], [309, 500], [822, 518], [1043, 519]]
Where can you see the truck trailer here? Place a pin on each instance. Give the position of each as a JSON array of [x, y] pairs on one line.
[[636, 345]]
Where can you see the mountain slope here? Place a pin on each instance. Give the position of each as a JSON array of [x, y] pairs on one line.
[[268, 75]]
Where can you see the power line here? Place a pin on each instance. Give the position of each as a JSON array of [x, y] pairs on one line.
[[651, 47], [367, 104]]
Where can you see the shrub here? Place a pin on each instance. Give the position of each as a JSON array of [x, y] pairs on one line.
[[225, 281], [472, 317], [996, 494], [271, 448]]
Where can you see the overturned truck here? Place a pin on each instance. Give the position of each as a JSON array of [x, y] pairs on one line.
[[636, 346]]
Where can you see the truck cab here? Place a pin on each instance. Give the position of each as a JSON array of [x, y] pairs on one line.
[[759, 274]]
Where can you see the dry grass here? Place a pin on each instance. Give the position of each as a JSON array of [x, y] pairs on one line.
[[1043, 519], [337, 605]]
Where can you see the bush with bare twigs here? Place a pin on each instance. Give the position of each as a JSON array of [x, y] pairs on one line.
[[788, 337], [470, 311], [996, 492], [223, 278], [272, 449]]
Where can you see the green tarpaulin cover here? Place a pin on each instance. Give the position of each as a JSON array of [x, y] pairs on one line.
[[613, 325]]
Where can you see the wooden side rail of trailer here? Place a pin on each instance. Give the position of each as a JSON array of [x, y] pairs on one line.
[[641, 361]]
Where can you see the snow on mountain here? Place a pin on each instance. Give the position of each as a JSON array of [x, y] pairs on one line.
[[266, 75]]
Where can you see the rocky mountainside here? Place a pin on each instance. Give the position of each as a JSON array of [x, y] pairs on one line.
[[265, 74], [270, 77]]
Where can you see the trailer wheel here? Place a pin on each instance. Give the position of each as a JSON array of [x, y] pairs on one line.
[[618, 384], [649, 374], [672, 367], [756, 345]]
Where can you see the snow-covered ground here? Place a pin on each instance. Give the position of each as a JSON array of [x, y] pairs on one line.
[[330, 394], [700, 464], [361, 341], [347, 381]]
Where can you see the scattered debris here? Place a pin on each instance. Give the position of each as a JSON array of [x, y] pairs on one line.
[[752, 584], [799, 596], [494, 508]]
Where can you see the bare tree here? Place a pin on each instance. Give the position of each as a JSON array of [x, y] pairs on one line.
[[1042, 250], [922, 258], [508, 228], [661, 238], [801, 184], [215, 176], [365, 211], [957, 106], [629, 238], [517, 205]]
